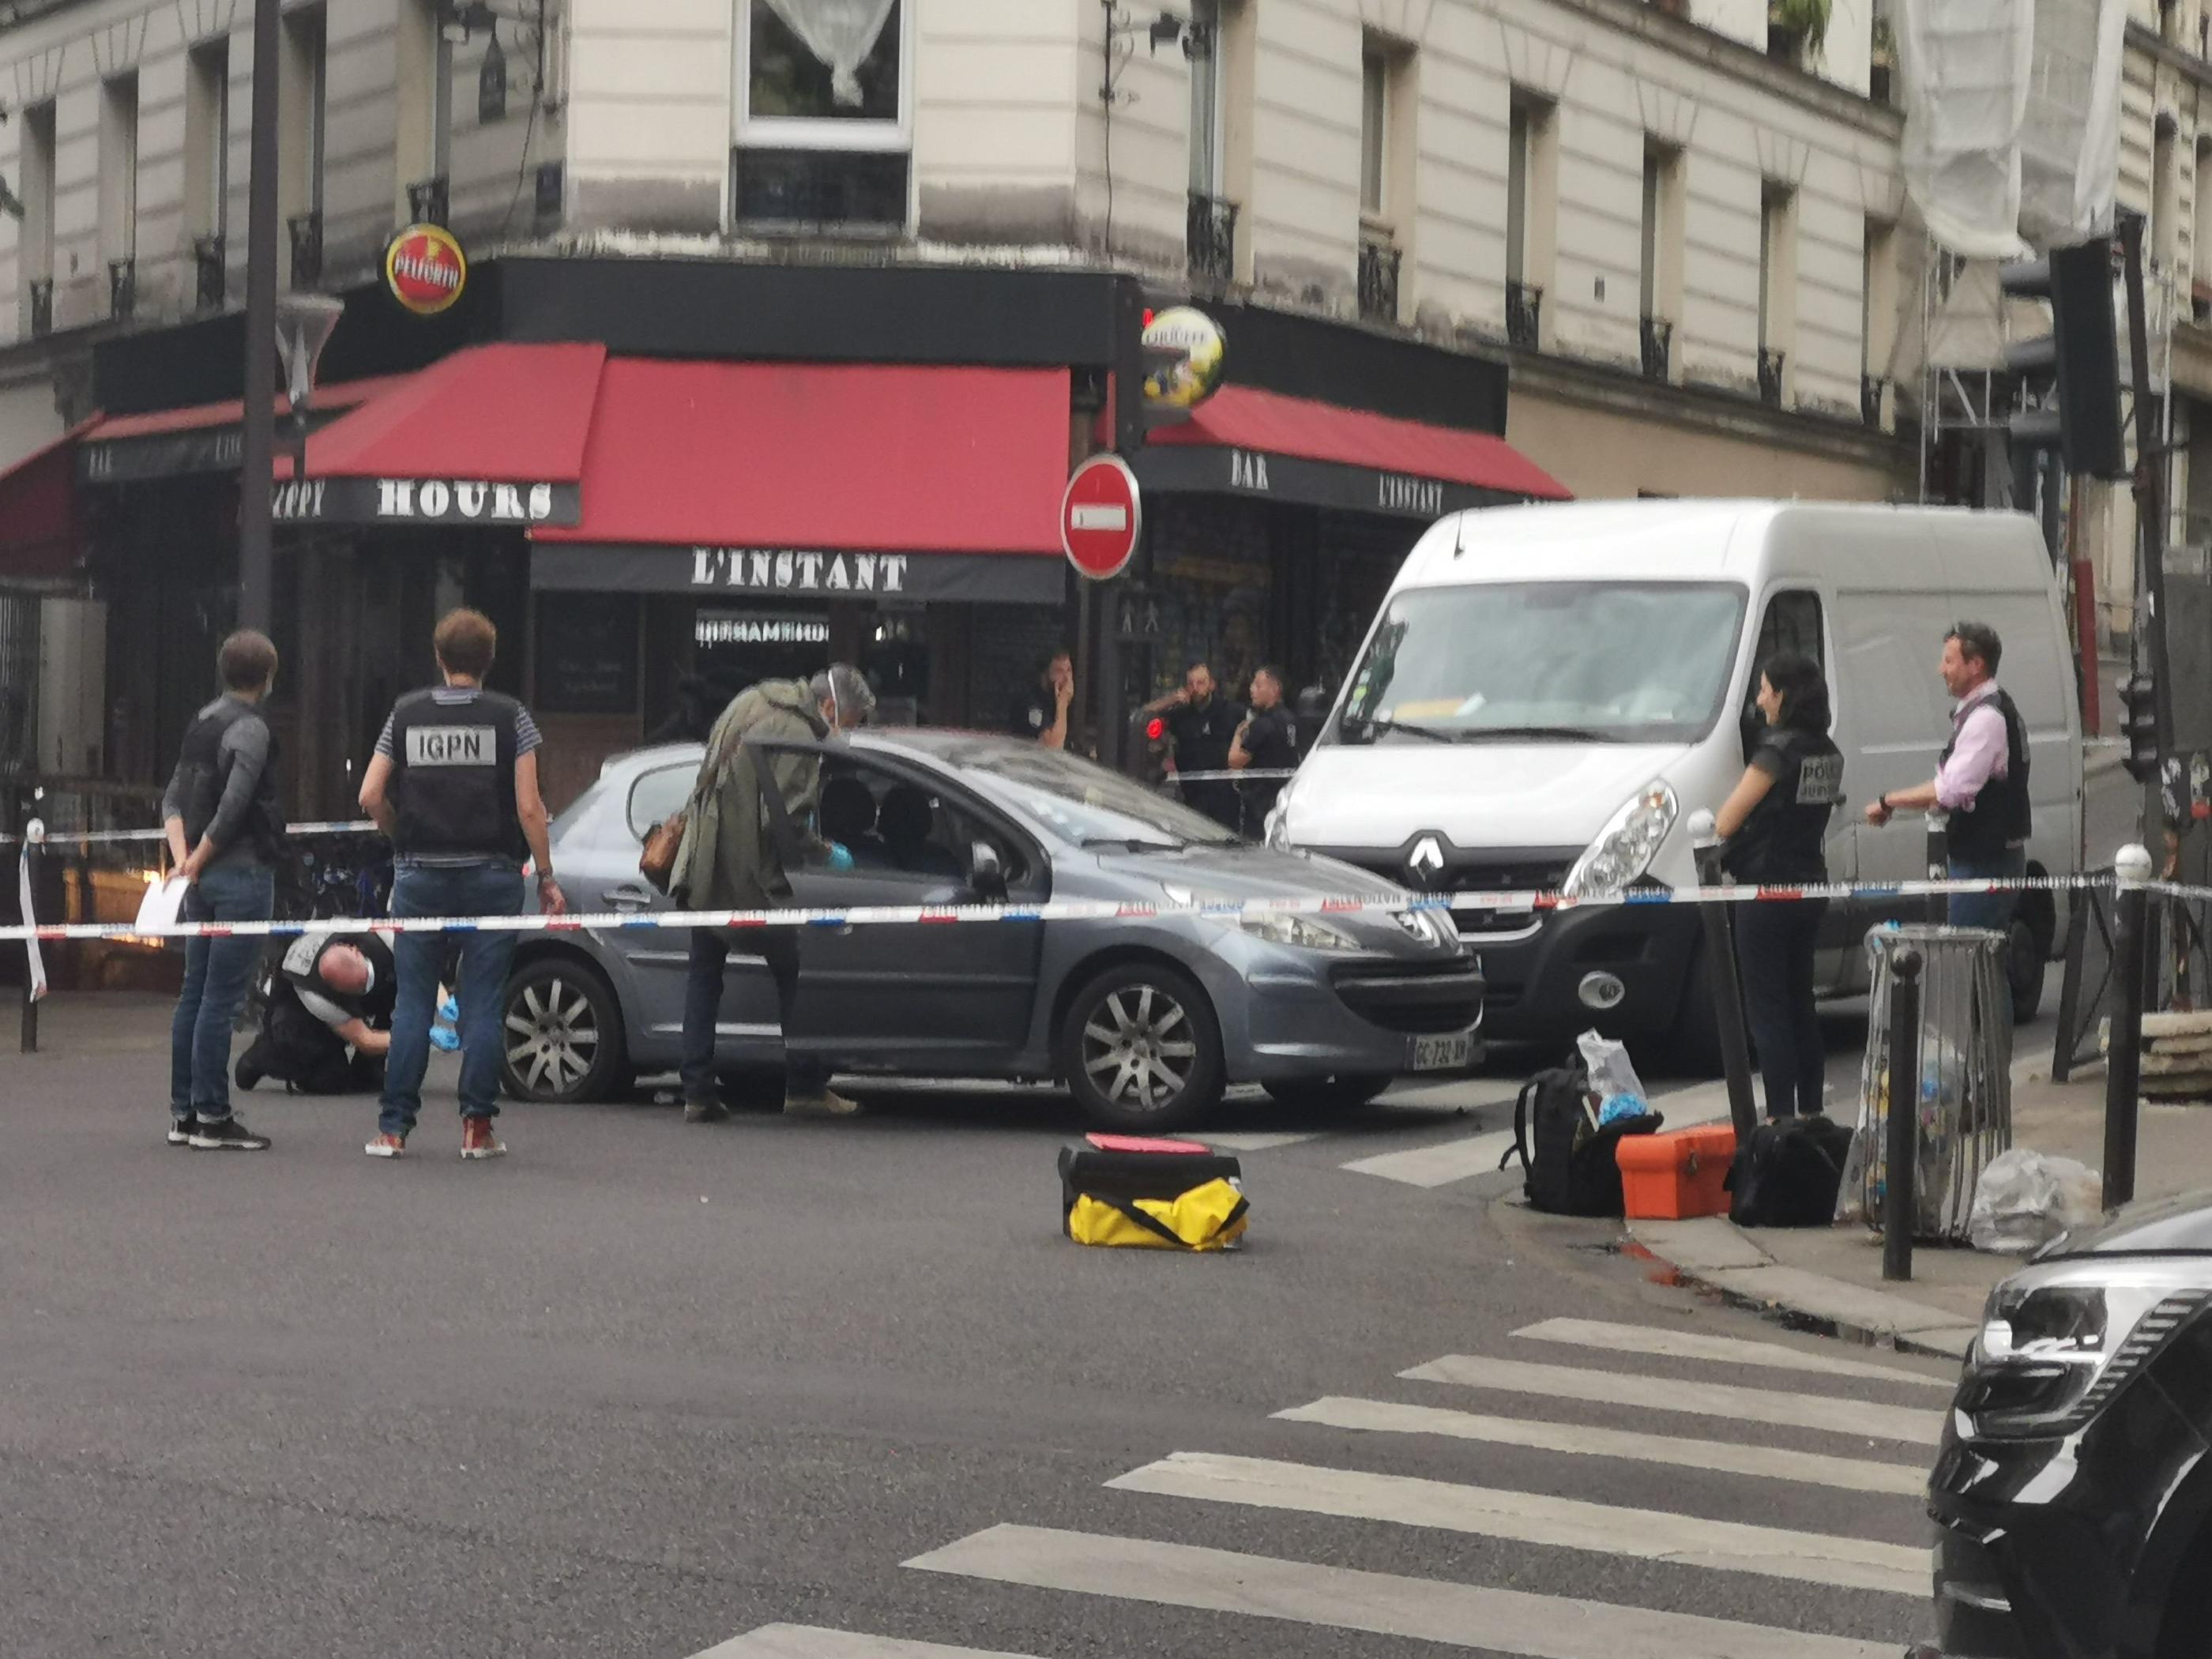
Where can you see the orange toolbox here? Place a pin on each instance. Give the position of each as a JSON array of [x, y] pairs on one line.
[[1678, 1173]]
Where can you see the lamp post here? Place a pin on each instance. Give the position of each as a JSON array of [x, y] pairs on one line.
[[257, 474], [304, 325]]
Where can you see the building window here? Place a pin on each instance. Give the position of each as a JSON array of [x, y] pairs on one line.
[[425, 146], [1203, 47], [1531, 185], [1878, 318], [824, 118], [2201, 246], [1661, 270], [1777, 285], [300, 101], [1374, 126], [2166, 194], [207, 139], [34, 237], [118, 187]]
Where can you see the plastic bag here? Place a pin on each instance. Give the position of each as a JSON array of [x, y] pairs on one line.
[[2025, 1198], [1612, 1078]]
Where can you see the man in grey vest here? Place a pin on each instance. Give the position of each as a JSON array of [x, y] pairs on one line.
[[454, 783]]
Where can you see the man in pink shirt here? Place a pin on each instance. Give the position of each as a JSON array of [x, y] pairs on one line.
[[1981, 780]]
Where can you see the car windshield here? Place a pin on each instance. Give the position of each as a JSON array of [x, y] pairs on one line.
[[1577, 662], [1081, 801]]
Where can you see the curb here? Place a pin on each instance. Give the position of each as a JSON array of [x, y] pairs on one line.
[[1716, 1253]]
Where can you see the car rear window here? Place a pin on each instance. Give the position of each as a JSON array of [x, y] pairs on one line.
[[658, 794]]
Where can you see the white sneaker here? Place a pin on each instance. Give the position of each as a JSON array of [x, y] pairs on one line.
[[828, 1103]]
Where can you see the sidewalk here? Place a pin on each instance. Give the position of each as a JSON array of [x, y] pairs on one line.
[[1834, 1275]]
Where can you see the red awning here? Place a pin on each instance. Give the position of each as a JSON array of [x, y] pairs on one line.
[[501, 414], [194, 417], [818, 456], [39, 531], [1270, 423]]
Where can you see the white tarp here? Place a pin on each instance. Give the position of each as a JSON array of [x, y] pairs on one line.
[[840, 32], [2011, 119]]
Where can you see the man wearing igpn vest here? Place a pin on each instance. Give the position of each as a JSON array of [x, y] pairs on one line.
[[1981, 780], [454, 784]]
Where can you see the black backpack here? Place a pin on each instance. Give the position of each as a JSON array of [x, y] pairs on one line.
[[1571, 1163], [1789, 1173]]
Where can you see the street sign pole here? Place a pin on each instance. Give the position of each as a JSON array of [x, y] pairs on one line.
[[256, 472]]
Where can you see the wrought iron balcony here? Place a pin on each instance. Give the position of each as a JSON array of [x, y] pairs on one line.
[[428, 201], [1524, 314], [1378, 281], [122, 288], [306, 250], [1210, 237], [207, 268], [1658, 345], [1770, 375], [1871, 388], [42, 306]]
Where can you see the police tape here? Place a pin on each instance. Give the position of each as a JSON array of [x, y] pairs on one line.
[[1249, 775], [113, 837], [909, 915]]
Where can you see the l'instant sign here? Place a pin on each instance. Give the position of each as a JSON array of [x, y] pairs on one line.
[[425, 269]]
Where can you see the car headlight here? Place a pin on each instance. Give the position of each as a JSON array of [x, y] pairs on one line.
[[1305, 932], [2060, 1340], [1624, 849]]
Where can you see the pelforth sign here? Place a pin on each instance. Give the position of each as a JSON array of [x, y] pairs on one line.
[[425, 269]]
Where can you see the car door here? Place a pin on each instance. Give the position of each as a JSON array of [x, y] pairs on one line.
[[930, 997], [657, 958]]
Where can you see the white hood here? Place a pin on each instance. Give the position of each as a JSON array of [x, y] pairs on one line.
[[1483, 794]]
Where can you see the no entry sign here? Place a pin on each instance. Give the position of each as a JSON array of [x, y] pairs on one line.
[[1100, 516]]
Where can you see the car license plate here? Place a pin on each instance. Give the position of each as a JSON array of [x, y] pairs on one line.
[[1443, 1054]]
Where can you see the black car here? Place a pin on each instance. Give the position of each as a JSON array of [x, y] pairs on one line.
[[2074, 1494]]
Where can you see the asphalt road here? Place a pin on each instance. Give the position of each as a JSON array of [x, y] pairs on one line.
[[646, 1390]]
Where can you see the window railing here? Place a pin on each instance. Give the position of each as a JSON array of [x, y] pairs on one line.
[[306, 250], [122, 288], [1378, 280], [546, 208], [42, 306], [208, 272], [1872, 390], [1210, 237], [429, 201], [1524, 314], [1658, 345], [1770, 375]]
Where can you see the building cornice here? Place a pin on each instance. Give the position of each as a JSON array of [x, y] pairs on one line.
[[1712, 49], [1707, 409]]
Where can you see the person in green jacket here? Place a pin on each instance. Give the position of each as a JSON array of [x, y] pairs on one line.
[[733, 857]]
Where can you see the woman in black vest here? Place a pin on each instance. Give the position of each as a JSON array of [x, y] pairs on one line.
[[1773, 825]]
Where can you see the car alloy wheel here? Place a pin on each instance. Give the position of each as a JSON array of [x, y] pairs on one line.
[[1140, 1048], [561, 1034]]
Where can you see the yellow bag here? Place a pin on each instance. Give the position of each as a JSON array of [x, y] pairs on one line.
[[1209, 1217]]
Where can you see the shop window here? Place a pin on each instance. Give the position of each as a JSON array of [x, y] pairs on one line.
[[824, 114], [586, 653]]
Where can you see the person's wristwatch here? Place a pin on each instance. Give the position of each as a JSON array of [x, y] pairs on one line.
[[546, 879]]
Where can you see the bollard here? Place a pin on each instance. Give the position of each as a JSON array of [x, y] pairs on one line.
[[1939, 865], [1728, 994], [1901, 1162], [2124, 1060], [35, 835]]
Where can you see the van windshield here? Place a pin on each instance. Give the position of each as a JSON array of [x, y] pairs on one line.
[[1576, 662]]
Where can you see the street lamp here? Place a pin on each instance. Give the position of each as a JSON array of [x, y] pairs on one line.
[[304, 325], [257, 473]]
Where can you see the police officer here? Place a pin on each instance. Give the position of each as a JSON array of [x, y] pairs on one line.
[[1266, 742], [1774, 825], [327, 1024], [454, 783], [1041, 712], [1201, 723]]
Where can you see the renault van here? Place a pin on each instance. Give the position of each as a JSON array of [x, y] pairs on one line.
[[1550, 692]]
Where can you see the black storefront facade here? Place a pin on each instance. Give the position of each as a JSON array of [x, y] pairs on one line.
[[772, 466]]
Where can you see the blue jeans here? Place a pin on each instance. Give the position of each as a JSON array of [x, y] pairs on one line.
[[1991, 911], [216, 975], [483, 889]]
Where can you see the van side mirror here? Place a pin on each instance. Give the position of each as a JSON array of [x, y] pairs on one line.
[[987, 877]]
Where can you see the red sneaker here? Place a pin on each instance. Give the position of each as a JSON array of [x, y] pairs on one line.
[[477, 1139], [386, 1146]]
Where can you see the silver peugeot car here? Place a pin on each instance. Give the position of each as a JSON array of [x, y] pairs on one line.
[[1145, 1018]]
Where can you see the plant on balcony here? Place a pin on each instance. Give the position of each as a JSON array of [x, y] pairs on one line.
[[1796, 28]]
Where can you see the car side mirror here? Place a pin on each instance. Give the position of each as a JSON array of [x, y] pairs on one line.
[[987, 877]]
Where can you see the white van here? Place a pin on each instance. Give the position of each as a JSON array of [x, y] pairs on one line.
[[1549, 683]]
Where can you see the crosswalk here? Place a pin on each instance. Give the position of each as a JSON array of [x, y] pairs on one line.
[[1793, 1432]]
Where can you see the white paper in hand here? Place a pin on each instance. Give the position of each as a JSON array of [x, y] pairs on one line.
[[163, 901]]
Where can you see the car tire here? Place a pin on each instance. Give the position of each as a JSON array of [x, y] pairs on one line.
[[2024, 969], [1140, 1048], [561, 1034], [1327, 1094]]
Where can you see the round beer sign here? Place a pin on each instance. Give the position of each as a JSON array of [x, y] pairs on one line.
[[425, 269], [1191, 353]]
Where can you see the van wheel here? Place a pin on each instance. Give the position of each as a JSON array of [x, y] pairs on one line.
[[1141, 1050], [561, 1034], [2024, 969]]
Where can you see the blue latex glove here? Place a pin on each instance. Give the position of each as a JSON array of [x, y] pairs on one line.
[[839, 858], [444, 1029]]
